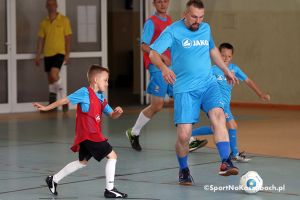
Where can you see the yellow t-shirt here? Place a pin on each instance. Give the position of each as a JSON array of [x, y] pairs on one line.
[[54, 34]]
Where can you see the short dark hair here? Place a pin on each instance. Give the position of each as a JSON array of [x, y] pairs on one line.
[[196, 3], [226, 45], [95, 69]]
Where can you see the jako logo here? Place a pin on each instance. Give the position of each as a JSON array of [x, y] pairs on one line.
[[187, 43]]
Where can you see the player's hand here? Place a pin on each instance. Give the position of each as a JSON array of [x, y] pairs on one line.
[[165, 59], [168, 75], [37, 61], [66, 59], [40, 107], [116, 113], [118, 110], [265, 97], [231, 78]]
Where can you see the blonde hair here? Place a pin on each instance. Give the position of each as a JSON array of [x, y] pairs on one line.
[[94, 70]]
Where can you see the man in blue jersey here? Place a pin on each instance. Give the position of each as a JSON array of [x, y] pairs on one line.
[[157, 87], [194, 86], [227, 50]]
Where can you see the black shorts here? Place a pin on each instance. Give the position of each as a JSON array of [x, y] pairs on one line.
[[98, 150], [53, 61]]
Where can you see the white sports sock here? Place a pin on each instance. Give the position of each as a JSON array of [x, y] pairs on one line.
[[192, 139], [60, 89], [141, 121], [110, 169], [67, 170], [52, 88]]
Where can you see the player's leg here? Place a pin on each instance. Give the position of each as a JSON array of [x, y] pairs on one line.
[[82, 161], [110, 168], [54, 79], [157, 89], [211, 104], [186, 113], [232, 131]]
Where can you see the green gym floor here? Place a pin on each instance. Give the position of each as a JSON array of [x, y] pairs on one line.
[[34, 145]]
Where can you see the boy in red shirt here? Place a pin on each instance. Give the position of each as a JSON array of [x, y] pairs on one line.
[[89, 140]]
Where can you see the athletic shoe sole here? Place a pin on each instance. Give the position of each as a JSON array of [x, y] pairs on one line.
[[229, 172]]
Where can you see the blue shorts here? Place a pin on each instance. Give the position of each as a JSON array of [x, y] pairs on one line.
[[187, 105], [158, 86], [228, 114]]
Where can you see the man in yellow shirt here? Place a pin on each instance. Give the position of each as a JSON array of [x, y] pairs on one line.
[[54, 39]]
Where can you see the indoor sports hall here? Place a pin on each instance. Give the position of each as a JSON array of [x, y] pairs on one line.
[[36, 144]]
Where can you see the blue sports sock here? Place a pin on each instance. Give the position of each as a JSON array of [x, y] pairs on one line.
[[204, 130], [224, 150], [232, 140], [183, 161]]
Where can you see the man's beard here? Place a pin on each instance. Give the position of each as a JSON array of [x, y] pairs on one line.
[[194, 28]]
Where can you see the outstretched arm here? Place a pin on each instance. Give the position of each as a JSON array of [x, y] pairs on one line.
[[254, 87], [116, 113], [52, 105], [216, 57]]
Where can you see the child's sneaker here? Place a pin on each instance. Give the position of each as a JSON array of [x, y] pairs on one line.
[[114, 193], [134, 140], [51, 185], [196, 144], [185, 177], [240, 157], [227, 168]]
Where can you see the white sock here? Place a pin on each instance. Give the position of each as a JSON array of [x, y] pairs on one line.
[[139, 124], [60, 89], [192, 139], [110, 169], [67, 170], [52, 88]]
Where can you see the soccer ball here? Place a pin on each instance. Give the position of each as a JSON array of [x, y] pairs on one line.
[[251, 182]]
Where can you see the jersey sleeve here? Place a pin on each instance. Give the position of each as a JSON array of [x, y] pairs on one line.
[[107, 110], [41, 32], [163, 42], [148, 32], [67, 30], [81, 97], [240, 74], [211, 42]]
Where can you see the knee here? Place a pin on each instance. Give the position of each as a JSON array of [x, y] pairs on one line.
[[157, 106], [83, 163], [217, 116], [112, 155]]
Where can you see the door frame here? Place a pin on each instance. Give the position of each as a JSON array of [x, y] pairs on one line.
[[12, 56]]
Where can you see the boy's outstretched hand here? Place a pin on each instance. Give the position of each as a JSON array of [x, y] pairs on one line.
[[40, 107], [117, 112]]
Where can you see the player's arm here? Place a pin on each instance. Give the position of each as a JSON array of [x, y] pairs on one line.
[[168, 74], [51, 106], [145, 48], [117, 112], [39, 48], [68, 39], [216, 57], [255, 88]]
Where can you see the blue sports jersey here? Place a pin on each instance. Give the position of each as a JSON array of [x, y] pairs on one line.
[[147, 35], [82, 97], [222, 81], [190, 52]]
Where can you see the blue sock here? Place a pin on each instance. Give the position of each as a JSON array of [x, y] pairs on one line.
[[183, 161], [232, 140], [224, 150], [204, 130]]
